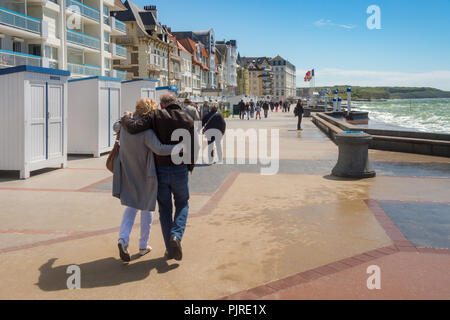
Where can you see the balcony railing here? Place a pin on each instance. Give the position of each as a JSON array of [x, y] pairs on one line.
[[121, 26], [17, 20], [85, 10], [121, 75], [107, 47], [121, 51], [10, 58], [83, 39], [84, 69]]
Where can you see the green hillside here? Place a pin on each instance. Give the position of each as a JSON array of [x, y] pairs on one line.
[[373, 93]]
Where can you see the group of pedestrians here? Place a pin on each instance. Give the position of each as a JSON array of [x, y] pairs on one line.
[[144, 172], [247, 109]]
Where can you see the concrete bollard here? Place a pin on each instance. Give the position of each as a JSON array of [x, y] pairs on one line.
[[353, 159], [306, 112]]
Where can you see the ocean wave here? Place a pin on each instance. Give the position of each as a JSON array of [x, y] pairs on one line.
[[430, 115]]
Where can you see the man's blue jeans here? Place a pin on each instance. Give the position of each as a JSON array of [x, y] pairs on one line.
[[173, 180]]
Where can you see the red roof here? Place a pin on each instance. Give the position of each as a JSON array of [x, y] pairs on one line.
[[180, 46], [204, 53]]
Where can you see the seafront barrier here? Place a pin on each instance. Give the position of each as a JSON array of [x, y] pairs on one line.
[[436, 144]]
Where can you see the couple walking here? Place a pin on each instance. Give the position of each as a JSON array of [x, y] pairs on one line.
[[144, 173]]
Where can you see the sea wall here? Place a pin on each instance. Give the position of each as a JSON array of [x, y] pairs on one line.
[[391, 140]]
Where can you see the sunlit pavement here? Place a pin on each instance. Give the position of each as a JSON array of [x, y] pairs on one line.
[[299, 234]]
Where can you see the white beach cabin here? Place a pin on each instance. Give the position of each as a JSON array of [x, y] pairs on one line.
[[163, 90], [94, 107], [33, 113], [133, 90]]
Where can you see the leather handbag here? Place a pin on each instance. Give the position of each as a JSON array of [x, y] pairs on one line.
[[113, 154]]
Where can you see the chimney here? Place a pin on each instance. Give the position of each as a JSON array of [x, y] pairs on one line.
[[153, 10]]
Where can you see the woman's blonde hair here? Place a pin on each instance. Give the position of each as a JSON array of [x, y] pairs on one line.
[[145, 106]]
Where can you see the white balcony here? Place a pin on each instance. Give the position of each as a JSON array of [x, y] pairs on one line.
[[83, 70], [118, 51], [19, 25], [83, 40], [11, 59], [118, 28], [87, 13]]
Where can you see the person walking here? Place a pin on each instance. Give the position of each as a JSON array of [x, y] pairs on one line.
[[258, 110], [266, 108], [247, 110], [252, 108], [173, 179], [212, 123], [134, 180], [276, 107], [298, 112], [241, 107], [190, 109], [204, 109]]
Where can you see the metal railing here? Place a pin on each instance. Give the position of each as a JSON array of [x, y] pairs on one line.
[[84, 69], [121, 51], [121, 75], [85, 10], [83, 39], [11, 58], [20, 21], [121, 26]]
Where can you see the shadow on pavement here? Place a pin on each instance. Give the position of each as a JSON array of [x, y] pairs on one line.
[[100, 273], [334, 178]]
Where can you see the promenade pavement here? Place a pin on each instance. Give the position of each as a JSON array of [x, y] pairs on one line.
[[298, 234]]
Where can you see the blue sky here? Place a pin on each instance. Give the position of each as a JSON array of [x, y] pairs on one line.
[[412, 48]]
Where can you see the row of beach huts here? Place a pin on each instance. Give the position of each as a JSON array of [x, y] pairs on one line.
[[45, 115]]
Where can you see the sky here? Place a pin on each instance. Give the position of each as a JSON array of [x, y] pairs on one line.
[[412, 47]]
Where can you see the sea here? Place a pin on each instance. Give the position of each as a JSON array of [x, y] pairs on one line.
[[427, 115]]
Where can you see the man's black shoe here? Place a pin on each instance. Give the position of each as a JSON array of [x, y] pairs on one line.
[[175, 244], [168, 256]]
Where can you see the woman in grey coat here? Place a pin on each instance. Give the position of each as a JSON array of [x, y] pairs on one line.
[[135, 181]]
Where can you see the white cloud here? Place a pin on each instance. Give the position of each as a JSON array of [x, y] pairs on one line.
[[439, 79], [329, 23]]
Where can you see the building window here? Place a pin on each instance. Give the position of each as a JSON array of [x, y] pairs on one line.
[[34, 49], [17, 47], [107, 64]]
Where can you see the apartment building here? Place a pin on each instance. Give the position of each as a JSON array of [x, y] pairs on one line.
[[243, 81], [260, 75], [206, 40], [65, 34], [228, 51], [200, 67], [147, 42], [284, 78], [187, 72]]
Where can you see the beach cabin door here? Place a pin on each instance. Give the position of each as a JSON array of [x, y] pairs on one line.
[[104, 118], [109, 114], [46, 121], [55, 121], [38, 122]]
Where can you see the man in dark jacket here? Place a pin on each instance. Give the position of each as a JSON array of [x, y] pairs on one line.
[[241, 107], [214, 120], [265, 108], [298, 111], [172, 178]]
